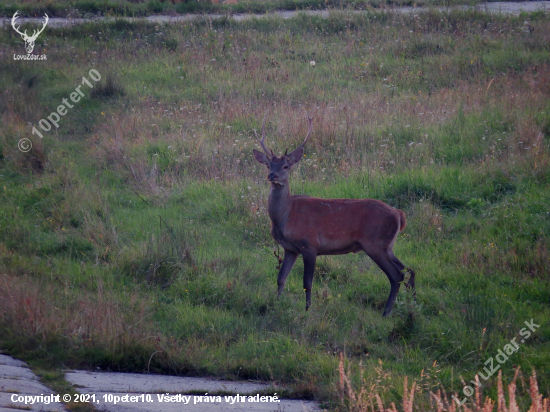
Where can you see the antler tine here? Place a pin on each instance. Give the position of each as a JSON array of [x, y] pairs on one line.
[[262, 142], [308, 132], [13, 22], [43, 27]]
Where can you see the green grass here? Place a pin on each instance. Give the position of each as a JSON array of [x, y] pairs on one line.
[[139, 227]]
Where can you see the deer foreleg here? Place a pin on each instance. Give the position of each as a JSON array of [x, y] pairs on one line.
[[288, 262], [309, 268], [410, 284]]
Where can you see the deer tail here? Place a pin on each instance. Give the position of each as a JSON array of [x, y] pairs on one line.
[[402, 220]]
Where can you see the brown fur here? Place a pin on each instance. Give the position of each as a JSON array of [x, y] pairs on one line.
[[403, 221]]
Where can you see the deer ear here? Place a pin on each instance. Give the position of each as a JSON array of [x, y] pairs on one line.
[[261, 157], [295, 156]]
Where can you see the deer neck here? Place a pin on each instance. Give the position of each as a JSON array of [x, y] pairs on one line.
[[279, 204]]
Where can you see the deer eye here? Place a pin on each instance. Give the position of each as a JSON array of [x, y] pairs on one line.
[[285, 167]]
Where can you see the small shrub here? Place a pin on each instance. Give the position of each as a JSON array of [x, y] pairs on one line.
[[475, 204], [110, 89], [155, 6], [171, 44]]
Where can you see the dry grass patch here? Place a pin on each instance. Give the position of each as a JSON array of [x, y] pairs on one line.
[[54, 309], [366, 396]]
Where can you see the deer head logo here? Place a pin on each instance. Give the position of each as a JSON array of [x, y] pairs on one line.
[[29, 40]]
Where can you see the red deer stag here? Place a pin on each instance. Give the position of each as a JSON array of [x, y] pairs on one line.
[[310, 226]]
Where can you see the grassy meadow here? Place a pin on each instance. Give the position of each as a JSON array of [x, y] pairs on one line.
[[135, 237]]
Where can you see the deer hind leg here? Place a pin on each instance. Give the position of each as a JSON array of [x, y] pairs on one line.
[[397, 262], [288, 261], [401, 267], [385, 262], [309, 268]]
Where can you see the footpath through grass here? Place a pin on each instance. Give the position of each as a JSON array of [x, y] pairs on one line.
[[135, 236]]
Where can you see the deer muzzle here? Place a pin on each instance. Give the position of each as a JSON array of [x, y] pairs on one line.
[[274, 179]]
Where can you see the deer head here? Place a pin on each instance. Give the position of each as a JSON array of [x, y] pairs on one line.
[[279, 167], [29, 40]]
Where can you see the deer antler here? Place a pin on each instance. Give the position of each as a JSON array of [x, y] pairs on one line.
[[24, 34], [13, 20], [35, 33], [308, 132], [262, 142]]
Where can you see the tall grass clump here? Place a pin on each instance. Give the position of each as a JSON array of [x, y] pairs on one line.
[[428, 396]]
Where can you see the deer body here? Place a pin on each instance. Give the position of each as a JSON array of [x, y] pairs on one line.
[[338, 234], [310, 226]]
